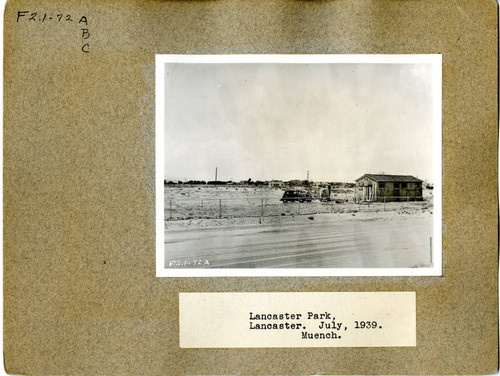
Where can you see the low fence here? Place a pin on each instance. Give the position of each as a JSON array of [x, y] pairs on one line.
[[391, 199], [180, 209]]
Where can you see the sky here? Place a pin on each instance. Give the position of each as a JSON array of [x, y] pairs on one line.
[[277, 121]]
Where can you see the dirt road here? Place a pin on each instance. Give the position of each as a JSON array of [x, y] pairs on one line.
[[400, 242]]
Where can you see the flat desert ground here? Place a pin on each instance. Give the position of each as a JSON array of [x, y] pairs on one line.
[[247, 227]]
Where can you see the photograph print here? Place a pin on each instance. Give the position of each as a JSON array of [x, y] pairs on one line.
[[298, 165]]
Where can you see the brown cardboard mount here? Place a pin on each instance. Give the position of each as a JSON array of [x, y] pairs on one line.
[[80, 292]]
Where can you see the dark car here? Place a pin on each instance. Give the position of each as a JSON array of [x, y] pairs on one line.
[[294, 196]]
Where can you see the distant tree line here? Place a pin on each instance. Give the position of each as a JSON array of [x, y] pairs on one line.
[[265, 183]]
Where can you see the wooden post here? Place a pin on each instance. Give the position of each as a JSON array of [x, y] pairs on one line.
[[384, 203], [261, 207], [220, 208], [170, 209], [431, 248]]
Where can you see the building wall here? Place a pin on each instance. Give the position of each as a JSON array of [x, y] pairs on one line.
[[366, 190], [401, 191]]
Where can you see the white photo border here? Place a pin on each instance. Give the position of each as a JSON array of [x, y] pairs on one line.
[[434, 59]]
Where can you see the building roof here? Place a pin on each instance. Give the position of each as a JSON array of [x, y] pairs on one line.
[[394, 178]]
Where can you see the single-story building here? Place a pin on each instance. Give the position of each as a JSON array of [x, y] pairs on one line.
[[276, 183], [385, 188]]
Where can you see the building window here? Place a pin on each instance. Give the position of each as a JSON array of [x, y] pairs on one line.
[[404, 185], [381, 185]]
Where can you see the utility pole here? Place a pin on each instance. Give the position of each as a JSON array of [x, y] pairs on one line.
[[215, 173], [307, 175]]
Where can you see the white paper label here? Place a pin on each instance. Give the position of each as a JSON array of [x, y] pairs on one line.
[[297, 319]]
